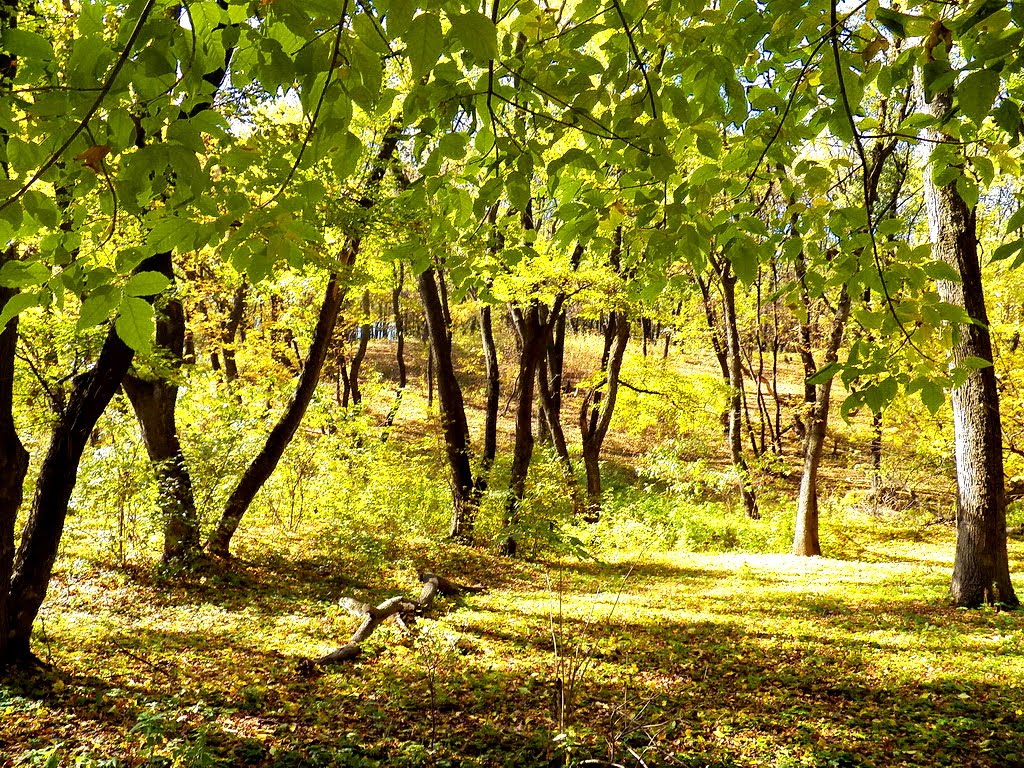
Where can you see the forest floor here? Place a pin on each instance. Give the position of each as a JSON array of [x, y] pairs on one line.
[[670, 634], [670, 658]]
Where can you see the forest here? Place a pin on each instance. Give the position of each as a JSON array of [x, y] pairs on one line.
[[582, 383]]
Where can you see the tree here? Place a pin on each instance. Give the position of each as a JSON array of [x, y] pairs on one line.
[[981, 573]]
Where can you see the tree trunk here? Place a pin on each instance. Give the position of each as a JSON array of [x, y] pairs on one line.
[[598, 407], [13, 467], [357, 359], [229, 331], [454, 425], [263, 466], [735, 369], [805, 537], [493, 402], [396, 308], [154, 402], [532, 335], [981, 572], [90, 395]]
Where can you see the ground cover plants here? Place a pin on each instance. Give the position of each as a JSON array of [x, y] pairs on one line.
[[692, 658]]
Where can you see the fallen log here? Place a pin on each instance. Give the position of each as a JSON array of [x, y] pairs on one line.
[[403, 609]]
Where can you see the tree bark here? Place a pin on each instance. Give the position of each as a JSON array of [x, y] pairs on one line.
[[734, 365], [13, 468], [396, 308], [532, 335], [805, 536], [154, 402], [90, 395], [263, 466], [981, 573], [454, 425], [229, 331], [598, 407], [357, 359], [493, 401]]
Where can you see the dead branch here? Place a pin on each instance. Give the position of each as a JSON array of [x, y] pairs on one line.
[[403, 609]]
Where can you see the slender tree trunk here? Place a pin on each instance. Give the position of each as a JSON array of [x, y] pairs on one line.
[[981, 572], [598, 408], [532, 333], [493, 401], [229, 332], [263, 466], [805, 537], [735, 370], [717, 343], [396, 308], [550, 408], [265, 462], [454, 425], [357, 359]]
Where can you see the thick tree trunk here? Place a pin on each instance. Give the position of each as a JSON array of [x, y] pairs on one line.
[[13, 467], [981, 572], [90, 395], [805, 536], [734, 364], [154, 403], [454, 426], [263, 466]]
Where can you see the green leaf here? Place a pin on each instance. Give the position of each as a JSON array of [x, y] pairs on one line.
[[975, 363], [97, 308], [825, 373], [128, 259], [968, 190], [977, 92], [146, 284], [15, 305], [1016, 221], [423, 43], [517, 187], [894, 21], [136, 324], [1006, 250], [30, 45], [879, 395], [477, 33], [22, 274], [261, 263], [397, 16], [933, 396], [940, 270], [1007, 116]]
